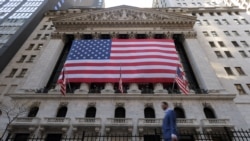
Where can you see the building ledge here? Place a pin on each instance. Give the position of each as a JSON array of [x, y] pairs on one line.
[[125, 96]]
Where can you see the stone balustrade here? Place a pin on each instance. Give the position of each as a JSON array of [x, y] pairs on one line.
[[52, 121], [88, 122], [119, 122], [26, 121], [149, 122], [182, 122], [216, 123]]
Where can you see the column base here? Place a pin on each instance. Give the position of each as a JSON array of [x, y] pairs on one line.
[[81, 91]]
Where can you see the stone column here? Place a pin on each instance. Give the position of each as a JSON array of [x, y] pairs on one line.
[[204, 73], [41, 72], [108, 89], [158, 89], [84, 89], [133, 89]]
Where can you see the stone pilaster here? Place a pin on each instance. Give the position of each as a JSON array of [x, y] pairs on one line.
[[40, 75], [202, 68]]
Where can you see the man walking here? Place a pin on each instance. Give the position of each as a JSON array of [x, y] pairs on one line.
[[169, 123]]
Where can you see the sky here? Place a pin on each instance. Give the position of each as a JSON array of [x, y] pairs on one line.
[[136, 3]]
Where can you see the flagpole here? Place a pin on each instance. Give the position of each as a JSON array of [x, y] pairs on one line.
[[173, 86], [67, 81]]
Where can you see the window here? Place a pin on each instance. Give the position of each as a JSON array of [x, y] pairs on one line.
[[179, 112], [229, 13], [39, 46], [31, 59], [243, 53], [235, 44], [214, 33], [227, 33], [120, 112], [30, 47], [44, 27], [21, 137], [22, 73], [201, 14], [209, 113], [218, 54], [62, 111], [244, 43], [218, 13], [53, 137], [211, 13], [221, 44], [198, 22], [90, 112], [248, 85], [212, 44], [228, 54], [225, 21], [228, 71], [217, 22], [247, 32], [33, 111], [12, 73], [237, 21], [240, 89], [205, 33], [22, 59], [46, 36], [206, 21], [245, 21], [240, 71], [235, 33], [149, 112], [37, 36]]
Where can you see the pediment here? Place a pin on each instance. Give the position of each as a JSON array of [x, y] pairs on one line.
[[124, 16]]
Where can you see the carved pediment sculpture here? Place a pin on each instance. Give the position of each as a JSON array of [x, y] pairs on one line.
[[123, 16]]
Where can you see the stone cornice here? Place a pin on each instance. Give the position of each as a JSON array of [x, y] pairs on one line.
[[214, 9], [199, 97]]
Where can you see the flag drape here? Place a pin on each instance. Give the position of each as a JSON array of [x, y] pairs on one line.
[[142, 60]]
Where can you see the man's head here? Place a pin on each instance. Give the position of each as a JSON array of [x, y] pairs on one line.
[[164, 105]]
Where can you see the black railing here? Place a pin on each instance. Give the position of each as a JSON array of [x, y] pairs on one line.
[[227, 135]]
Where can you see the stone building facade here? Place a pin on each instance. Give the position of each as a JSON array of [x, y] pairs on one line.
[[99, 109]]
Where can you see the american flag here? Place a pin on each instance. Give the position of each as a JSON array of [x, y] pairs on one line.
[[63, 83], [182, 83], [142, 61]]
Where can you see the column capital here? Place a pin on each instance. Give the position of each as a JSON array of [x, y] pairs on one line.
[[189, 34], [77, 36], [58, 35]]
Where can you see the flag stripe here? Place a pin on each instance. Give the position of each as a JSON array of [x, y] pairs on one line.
[[125, 80], [117, 72], [165, 64]]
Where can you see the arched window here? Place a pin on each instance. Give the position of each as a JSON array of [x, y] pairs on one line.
[[209, 113], [90, 112], [62, 111], [149, 112], [120, 112], [33, 111], [179, 112]]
